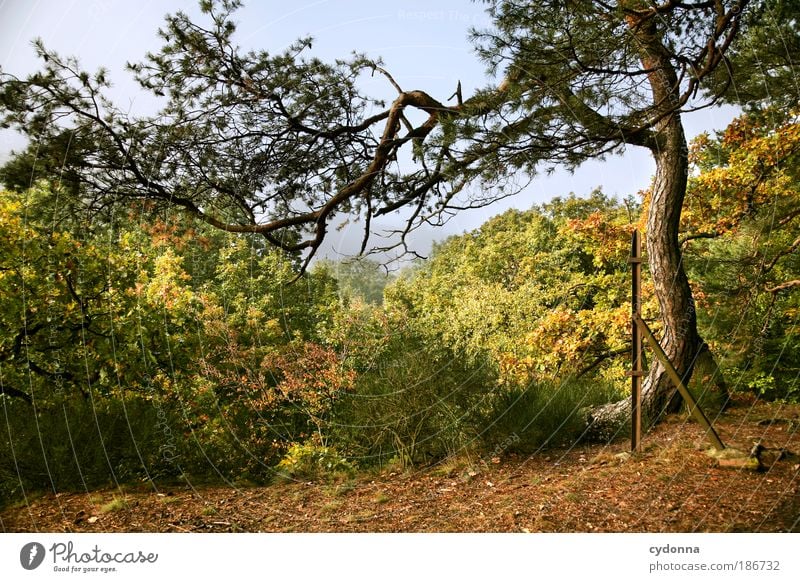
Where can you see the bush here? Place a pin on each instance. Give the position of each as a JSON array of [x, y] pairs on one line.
[[768, 387], [413, 403], [81, 443], [539, 415], [312, 460]]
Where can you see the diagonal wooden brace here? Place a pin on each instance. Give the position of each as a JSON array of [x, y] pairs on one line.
[[694, 409]]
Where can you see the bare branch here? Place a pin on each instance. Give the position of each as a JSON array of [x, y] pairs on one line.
[[784, 286], [386, 74]]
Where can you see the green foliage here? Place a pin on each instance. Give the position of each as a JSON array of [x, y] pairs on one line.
[[67, 323], [763, 61], [542, 415], [541, 293], [74, 444], [413, 401], [171, 349], [745, 267], [470, 347], [116, 504], [197, 332], [359, 278], [311, 460]]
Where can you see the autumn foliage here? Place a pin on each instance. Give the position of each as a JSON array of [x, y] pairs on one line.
[[172, 350]]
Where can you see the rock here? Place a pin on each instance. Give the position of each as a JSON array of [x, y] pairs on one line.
[[760, 458], [769, 457], [735, 459]]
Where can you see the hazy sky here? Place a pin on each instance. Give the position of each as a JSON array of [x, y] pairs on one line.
[[424, 46]]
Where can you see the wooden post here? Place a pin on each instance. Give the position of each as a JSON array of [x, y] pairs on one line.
[[694, 409], [636, 344]]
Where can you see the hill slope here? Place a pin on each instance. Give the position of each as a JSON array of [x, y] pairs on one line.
[[672, 487]]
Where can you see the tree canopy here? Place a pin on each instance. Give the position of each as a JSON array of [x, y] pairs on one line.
[[762, 66], [282, 145]]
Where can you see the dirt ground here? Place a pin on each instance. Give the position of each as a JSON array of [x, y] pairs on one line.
[[672, 487]]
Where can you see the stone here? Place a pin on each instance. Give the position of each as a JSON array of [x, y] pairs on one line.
[[735, 459]]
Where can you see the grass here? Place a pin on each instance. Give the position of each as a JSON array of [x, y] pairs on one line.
[[342, 488], [331, 506], [454, 465], [116, 504], [529, 419]]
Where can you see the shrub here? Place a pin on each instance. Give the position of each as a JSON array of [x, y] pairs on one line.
[[312, 460], [542, 414], [79, 443], [413, 402]]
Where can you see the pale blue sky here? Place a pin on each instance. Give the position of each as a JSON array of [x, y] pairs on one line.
[[424, 46]]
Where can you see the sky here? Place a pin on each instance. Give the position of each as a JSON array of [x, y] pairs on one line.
[[424, 45]]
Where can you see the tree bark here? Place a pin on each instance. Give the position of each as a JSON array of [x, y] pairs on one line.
[[681, 341]]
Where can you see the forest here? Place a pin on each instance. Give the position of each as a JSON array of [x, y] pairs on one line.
[[167, 323]]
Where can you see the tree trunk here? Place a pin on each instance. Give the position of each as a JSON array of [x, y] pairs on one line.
[[681, 341]]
